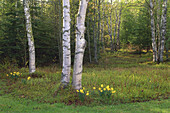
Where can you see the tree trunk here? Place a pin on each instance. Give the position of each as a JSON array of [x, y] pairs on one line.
[[99, 26], [95, 34], [30, 37], [114, 41], [102, 30], [80, 45], [88, 35], [163, 32], [153, 33], [66, 44], [118, 31], [110, 34], [158, 32], [60, 33]]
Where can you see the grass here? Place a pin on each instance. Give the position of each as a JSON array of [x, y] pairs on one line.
[[134, 78], [16, 105]]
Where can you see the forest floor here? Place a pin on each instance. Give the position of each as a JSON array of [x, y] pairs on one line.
[[136, 84]]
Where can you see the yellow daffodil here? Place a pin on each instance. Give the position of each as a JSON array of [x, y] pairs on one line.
[[77, 90], [83, 88], [14, 72], [94, 88], [101, 85], [113, 91], [87, 94], [7, 75], [28, 78], [107, 86], [17, 73], [11, 73], [99, 88], [104, 89], [81, 91]]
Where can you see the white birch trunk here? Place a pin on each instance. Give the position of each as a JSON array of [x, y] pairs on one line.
[[102, 30], [66, 44], [114, 41], [118, 31], [163, 32], [30, 37], [80, 45], [110, 34], [153, 33], [88, 35], [158, 32]]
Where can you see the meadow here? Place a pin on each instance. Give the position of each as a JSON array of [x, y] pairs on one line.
[[121, 82]]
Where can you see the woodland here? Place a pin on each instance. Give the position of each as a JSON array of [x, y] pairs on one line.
[[84, 56]]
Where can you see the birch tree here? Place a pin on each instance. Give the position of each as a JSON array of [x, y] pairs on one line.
[[163, 30], [66, 43], [158, 31], [30, 37], [154, 47], [114, 41], [80, 45], [118, 31]]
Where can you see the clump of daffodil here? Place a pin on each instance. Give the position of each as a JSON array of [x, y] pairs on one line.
[[82, 94], [14, 75], [106, 91]]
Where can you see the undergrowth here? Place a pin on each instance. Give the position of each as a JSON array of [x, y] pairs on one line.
[[134, 78]]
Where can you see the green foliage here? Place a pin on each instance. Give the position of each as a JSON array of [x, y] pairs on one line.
[[134, 78], [136, 28]]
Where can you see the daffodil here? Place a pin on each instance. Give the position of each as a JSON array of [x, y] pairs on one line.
[[104, 89], [99, 88], [77, 90], [87, 94], [113, 91], [17, 73], [94, 88], [83, 88], [107, 86], [11, 73], [101, 85], [81, 91], [28, 78], [7, 75]]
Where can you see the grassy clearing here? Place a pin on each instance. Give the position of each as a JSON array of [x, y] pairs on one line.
[[17, 105], [134, 78]]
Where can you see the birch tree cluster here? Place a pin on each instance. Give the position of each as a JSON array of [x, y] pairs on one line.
[[110, 25]]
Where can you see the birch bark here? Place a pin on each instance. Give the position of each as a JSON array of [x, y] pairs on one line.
[[158, 32], [118, 31], [80, 45], [88, 35], [30, 37], [114, 41], [66, 44], [153, 33], [102, 29], [163, 32]]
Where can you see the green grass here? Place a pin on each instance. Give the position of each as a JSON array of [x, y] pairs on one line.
[[134, 77], [11, 105]]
